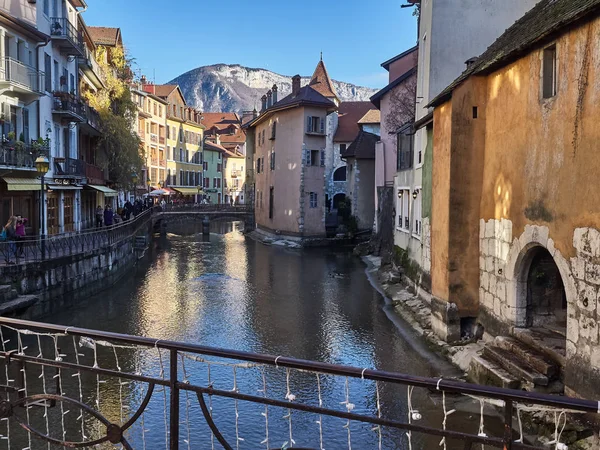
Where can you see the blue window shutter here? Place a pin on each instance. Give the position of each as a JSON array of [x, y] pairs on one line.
[[322, 126], [309, 124]]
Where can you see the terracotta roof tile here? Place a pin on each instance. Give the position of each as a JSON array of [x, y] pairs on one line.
[[349, 115], [223, 122], [372, 116], [105, 35], [163, 90], [363, 146], [321, 82], [540, 24]]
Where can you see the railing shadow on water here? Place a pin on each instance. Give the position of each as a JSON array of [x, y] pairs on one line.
[[78, 388]]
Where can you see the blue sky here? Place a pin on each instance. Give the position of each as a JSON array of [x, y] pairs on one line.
[[285, 36]]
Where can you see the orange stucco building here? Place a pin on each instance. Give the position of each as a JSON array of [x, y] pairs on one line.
[[516, 202]]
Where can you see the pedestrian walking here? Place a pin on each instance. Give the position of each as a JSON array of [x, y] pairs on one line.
[[108, 216], [10, 234], [99, 216], [128, 209], [20, 230]]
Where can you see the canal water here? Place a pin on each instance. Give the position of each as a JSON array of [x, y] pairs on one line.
[[232, 292]]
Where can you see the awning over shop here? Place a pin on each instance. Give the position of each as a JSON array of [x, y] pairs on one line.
[[22, 184], [108, 192], [186, 190], [64, 187]]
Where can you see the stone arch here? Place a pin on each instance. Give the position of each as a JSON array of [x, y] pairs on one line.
[[339, 174], [521, 254]]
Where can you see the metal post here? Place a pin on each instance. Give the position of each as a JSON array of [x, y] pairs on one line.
[[508, 417], [43, 219], [174, 404]]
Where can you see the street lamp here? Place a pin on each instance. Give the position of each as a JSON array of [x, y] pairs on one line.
[[42, 165]]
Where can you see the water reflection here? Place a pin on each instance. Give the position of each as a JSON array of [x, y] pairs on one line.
[[229, 291]]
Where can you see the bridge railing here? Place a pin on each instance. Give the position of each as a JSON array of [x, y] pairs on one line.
[[79, 388], [197, 207], [34, 248]]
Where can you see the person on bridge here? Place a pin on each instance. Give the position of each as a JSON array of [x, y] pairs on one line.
[[10, 231], [99, 216], [20, 230], [108, 216], [128, 209]]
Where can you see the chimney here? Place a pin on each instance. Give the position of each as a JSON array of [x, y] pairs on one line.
[[217, 139], [254, 113], [469, 62], [269, 99], [274, 89], [295, 84], [143, 80], [264, 103]]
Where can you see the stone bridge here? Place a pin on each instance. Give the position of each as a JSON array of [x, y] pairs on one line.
[[202, 213]]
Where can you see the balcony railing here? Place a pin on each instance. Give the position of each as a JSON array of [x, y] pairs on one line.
[[70, 106], [153, 138], [92, 117], [235, 173], [21, 76], [94, 173], [71, 39], [69, 167], [19, 155], [91, 68], [161, 140]]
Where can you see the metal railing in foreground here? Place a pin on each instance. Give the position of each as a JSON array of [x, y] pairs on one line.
[[78, 388], [33, 249]]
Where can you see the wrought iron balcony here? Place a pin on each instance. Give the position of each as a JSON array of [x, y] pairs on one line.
[[20, 78], [69, 38], [90, 67], [92, 121], [68, 106], [69, 167], [17, 155]]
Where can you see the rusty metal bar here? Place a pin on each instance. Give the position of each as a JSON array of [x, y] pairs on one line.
[[457, 387]]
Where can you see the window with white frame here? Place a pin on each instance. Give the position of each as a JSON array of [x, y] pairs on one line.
[[417, 220], [313, 199], [403, 209]]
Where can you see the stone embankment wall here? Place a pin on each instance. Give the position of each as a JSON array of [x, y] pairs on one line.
[[57, 281]]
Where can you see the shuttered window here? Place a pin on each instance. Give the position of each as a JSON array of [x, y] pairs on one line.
[[549, 72]]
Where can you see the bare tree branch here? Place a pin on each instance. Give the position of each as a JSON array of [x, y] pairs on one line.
[[402, 105]]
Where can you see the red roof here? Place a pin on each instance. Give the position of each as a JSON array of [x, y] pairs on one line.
[[321, 82], [227, 125], [105, 35], [349, 114]]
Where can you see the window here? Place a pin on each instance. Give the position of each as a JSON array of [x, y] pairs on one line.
[[315, 125], [339, 174], [405, 150], [417, 214], [322, 158], [56, 76], [181, 154], [205, 166], [180, 135], [342, 148], [206, 182], [47, 7], [218, 167], [214, 182], [313, 157], [402, 208], [218, 182], [273, 130], [313, 199], [48, 70], [272, 160], [475, 112], [258, 165], [271, 201], [549, 72], [168, 152], [187, 156], [180, 177]]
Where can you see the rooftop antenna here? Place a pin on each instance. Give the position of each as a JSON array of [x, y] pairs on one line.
[[321, 56]]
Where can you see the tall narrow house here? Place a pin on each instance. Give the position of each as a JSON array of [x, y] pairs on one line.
[[290, 139]]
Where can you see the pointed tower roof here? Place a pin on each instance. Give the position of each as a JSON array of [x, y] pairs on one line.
[[321, 82]]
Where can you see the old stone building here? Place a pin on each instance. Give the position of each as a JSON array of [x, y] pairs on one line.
[[515, 229], [289, 142]]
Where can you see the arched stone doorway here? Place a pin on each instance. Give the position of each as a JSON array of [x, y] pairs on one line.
[[337, 199], [542, 292]]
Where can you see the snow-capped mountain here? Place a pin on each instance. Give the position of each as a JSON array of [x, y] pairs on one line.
[[234, 88]]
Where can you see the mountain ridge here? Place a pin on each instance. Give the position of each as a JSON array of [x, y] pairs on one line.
[[235, 88]]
